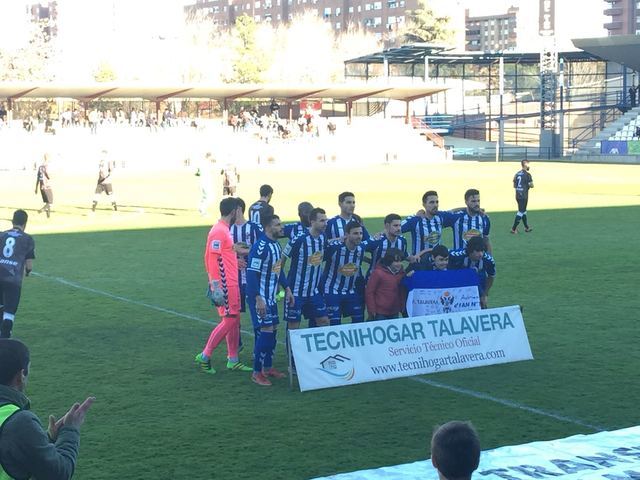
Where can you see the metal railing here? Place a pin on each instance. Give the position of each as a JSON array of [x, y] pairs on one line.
[[510, 153], [419, 123]]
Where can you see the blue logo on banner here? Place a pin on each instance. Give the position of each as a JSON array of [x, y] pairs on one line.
[[338, 366]]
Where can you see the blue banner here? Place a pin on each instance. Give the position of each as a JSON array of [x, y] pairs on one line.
[[433, 292], [614, 147], [442, 279]]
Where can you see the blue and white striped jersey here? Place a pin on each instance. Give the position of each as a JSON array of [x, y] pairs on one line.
[[248, 232], [467, 226], [380, 248], [264, 270], [342, 267], [306, 253], [292, 230], [427, 233], [335, 227], [460, 259]]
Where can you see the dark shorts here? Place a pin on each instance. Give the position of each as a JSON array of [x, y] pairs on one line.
[[522, 203], [9, 297], [312, 307], [104, 188], [269, 320], [47, 195], [349, 305]]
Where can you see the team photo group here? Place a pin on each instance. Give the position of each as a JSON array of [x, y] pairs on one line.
[[331, 269]]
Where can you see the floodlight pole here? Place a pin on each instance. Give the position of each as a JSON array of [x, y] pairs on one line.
[[500, 119]]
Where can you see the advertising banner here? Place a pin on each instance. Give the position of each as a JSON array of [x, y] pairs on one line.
[[601, 456], [367, 352], [433, 292], [614, 147]]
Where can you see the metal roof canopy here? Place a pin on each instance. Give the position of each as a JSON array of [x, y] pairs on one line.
[[227, 92], [622, 49], [416, 54]]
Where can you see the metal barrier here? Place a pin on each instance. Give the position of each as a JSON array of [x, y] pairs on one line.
[[513, 153]]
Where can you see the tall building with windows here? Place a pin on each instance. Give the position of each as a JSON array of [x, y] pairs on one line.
[[45, 14], [623, 16], [383, 17], [492, 33]]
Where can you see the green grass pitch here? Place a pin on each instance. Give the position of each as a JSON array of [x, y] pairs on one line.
[[118, 311]]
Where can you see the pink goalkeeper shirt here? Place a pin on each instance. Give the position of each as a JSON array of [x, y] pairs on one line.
[[220, 260]]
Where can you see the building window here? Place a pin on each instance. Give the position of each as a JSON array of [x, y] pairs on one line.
[[401, 3], [377, 21], [391, 19], [278, 17], [359, 8], [338, 11], [350, 9], [337, 25], [367, 7], [377, 5], [392, 4], [257, 4], [327, 12]]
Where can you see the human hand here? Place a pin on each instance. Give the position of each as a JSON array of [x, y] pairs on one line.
[[413, 258], [54, 426], [483, 301], [261, 306], [242, 263], [75, 416], [289, 297], [421, 213]]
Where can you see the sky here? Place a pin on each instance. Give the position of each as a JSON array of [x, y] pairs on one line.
[[134, 35]]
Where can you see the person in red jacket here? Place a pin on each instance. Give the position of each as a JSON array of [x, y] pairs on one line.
[[385, 296]]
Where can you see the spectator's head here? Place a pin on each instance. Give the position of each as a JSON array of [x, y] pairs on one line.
[[304, 208], [476, 248], [440, 257], [430, 202], [525, 165], [347, 202], [272, 226], [318, 220], [19, 219], [353, 233], [472, 200], [455, 450], [230, 210], [241, 204], [392, 224], [266, 192], [393, 259], [14, 363]]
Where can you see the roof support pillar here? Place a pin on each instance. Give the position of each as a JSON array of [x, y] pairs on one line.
[[349, 107]]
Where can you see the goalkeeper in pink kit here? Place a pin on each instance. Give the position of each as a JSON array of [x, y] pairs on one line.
[[221, 263]]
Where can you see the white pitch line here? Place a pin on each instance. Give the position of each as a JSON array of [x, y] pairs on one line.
[[129, 300], [508, 403], [432, 383]]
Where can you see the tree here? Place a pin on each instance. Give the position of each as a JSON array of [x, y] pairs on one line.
[[30, 62], [249, 61], [104, 73], [424, 26]]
